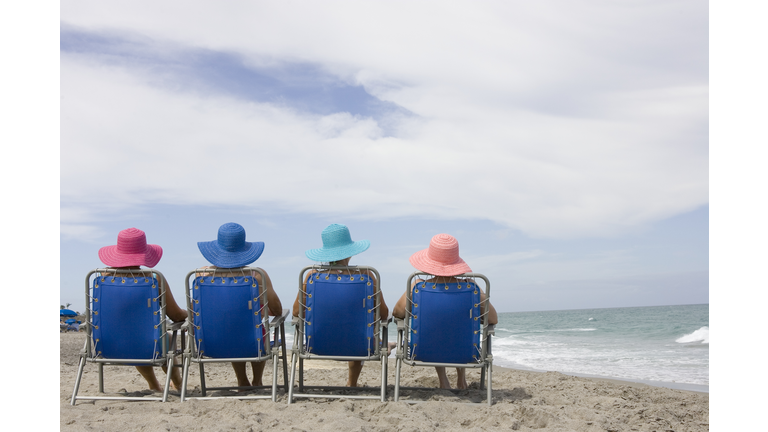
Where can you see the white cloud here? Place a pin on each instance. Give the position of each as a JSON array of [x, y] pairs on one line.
[[504, 260], [81, 232], [558, 123]]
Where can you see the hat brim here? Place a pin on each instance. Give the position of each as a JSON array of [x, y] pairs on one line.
[[421, 261], [338, 253], [219, 257], [110, 256]]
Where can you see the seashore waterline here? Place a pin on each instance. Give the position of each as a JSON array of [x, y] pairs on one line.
[[666, 346], [663, 346]]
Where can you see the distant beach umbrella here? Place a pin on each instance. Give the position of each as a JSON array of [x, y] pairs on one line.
[[70, 321], [67, 312]]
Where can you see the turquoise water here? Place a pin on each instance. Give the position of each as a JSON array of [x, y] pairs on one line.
[[666, 344], [660, 345]]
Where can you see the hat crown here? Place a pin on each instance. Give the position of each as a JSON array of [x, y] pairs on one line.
[[336, 235], [131, 241], [231, 237], [444, 248]]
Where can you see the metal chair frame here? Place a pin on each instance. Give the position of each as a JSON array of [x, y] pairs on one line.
[[88, 353], [484, 361], [192, 354], [299, 352]]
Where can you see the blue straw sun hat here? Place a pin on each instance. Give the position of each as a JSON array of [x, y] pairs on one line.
[[337, 245], [231, 250]]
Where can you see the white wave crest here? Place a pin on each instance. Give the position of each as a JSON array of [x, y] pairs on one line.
[[700, 335]]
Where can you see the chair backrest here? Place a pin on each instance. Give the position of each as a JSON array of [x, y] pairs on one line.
[[126, 316], [341, 313], [228, 318], [445, 322]]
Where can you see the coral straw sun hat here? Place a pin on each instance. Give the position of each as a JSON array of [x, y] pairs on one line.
[[131, 250], [337, 245], [441, 258], [230, 250]]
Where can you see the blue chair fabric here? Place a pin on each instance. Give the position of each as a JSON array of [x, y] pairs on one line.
[[445, 322], [126, 318], [229, 323], [339, 320], [329, 332], [227, 318], [125, 326], [444, 327]]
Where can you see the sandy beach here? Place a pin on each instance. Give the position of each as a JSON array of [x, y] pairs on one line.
[[522, 400]]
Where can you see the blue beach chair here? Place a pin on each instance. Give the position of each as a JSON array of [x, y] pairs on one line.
[[125, 325], [340, 321], [227, 323], [444, 327]]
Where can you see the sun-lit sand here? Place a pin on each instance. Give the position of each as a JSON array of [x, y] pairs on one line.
[[522, 400]]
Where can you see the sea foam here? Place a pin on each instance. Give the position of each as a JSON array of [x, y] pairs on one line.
[[700, 335]]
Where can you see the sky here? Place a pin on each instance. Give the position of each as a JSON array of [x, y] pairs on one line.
[[565, 144]]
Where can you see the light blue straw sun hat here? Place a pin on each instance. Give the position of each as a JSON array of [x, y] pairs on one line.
[[337, 245]]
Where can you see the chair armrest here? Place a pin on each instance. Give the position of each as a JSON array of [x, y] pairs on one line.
[[490, 329], [400, 323], [175, 326], [385, 322], [279, 320]]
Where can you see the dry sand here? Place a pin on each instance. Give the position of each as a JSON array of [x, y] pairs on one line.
[[522, 400]]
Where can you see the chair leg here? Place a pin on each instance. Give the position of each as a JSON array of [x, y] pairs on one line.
[[293, 375], [169, 369], [184, 378], [301, 375], [101, 377], [398, 364], [77, 380], [386, 359], [490, 368], [275, 359], [285, 358], [383, 378], [202, 378], [482, 378]]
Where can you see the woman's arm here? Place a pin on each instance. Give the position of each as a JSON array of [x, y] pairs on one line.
[[399, 310], [383, 309], [299, 299], [172, 309], [273, 301], [493, 317], [296, 304]]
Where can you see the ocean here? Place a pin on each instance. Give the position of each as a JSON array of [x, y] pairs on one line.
[[667, 346], [662, 345]]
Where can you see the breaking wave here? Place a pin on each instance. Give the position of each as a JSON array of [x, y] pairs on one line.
[[701, 335]]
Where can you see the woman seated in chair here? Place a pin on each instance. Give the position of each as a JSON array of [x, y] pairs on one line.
[[442, 260], [130, 253], [231, 251], [337, 250]]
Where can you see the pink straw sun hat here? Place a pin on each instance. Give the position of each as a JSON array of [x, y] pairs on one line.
[[441, 258], [131, 250]]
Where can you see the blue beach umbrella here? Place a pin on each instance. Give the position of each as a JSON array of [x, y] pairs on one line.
[[70, 321], [67, 312]]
